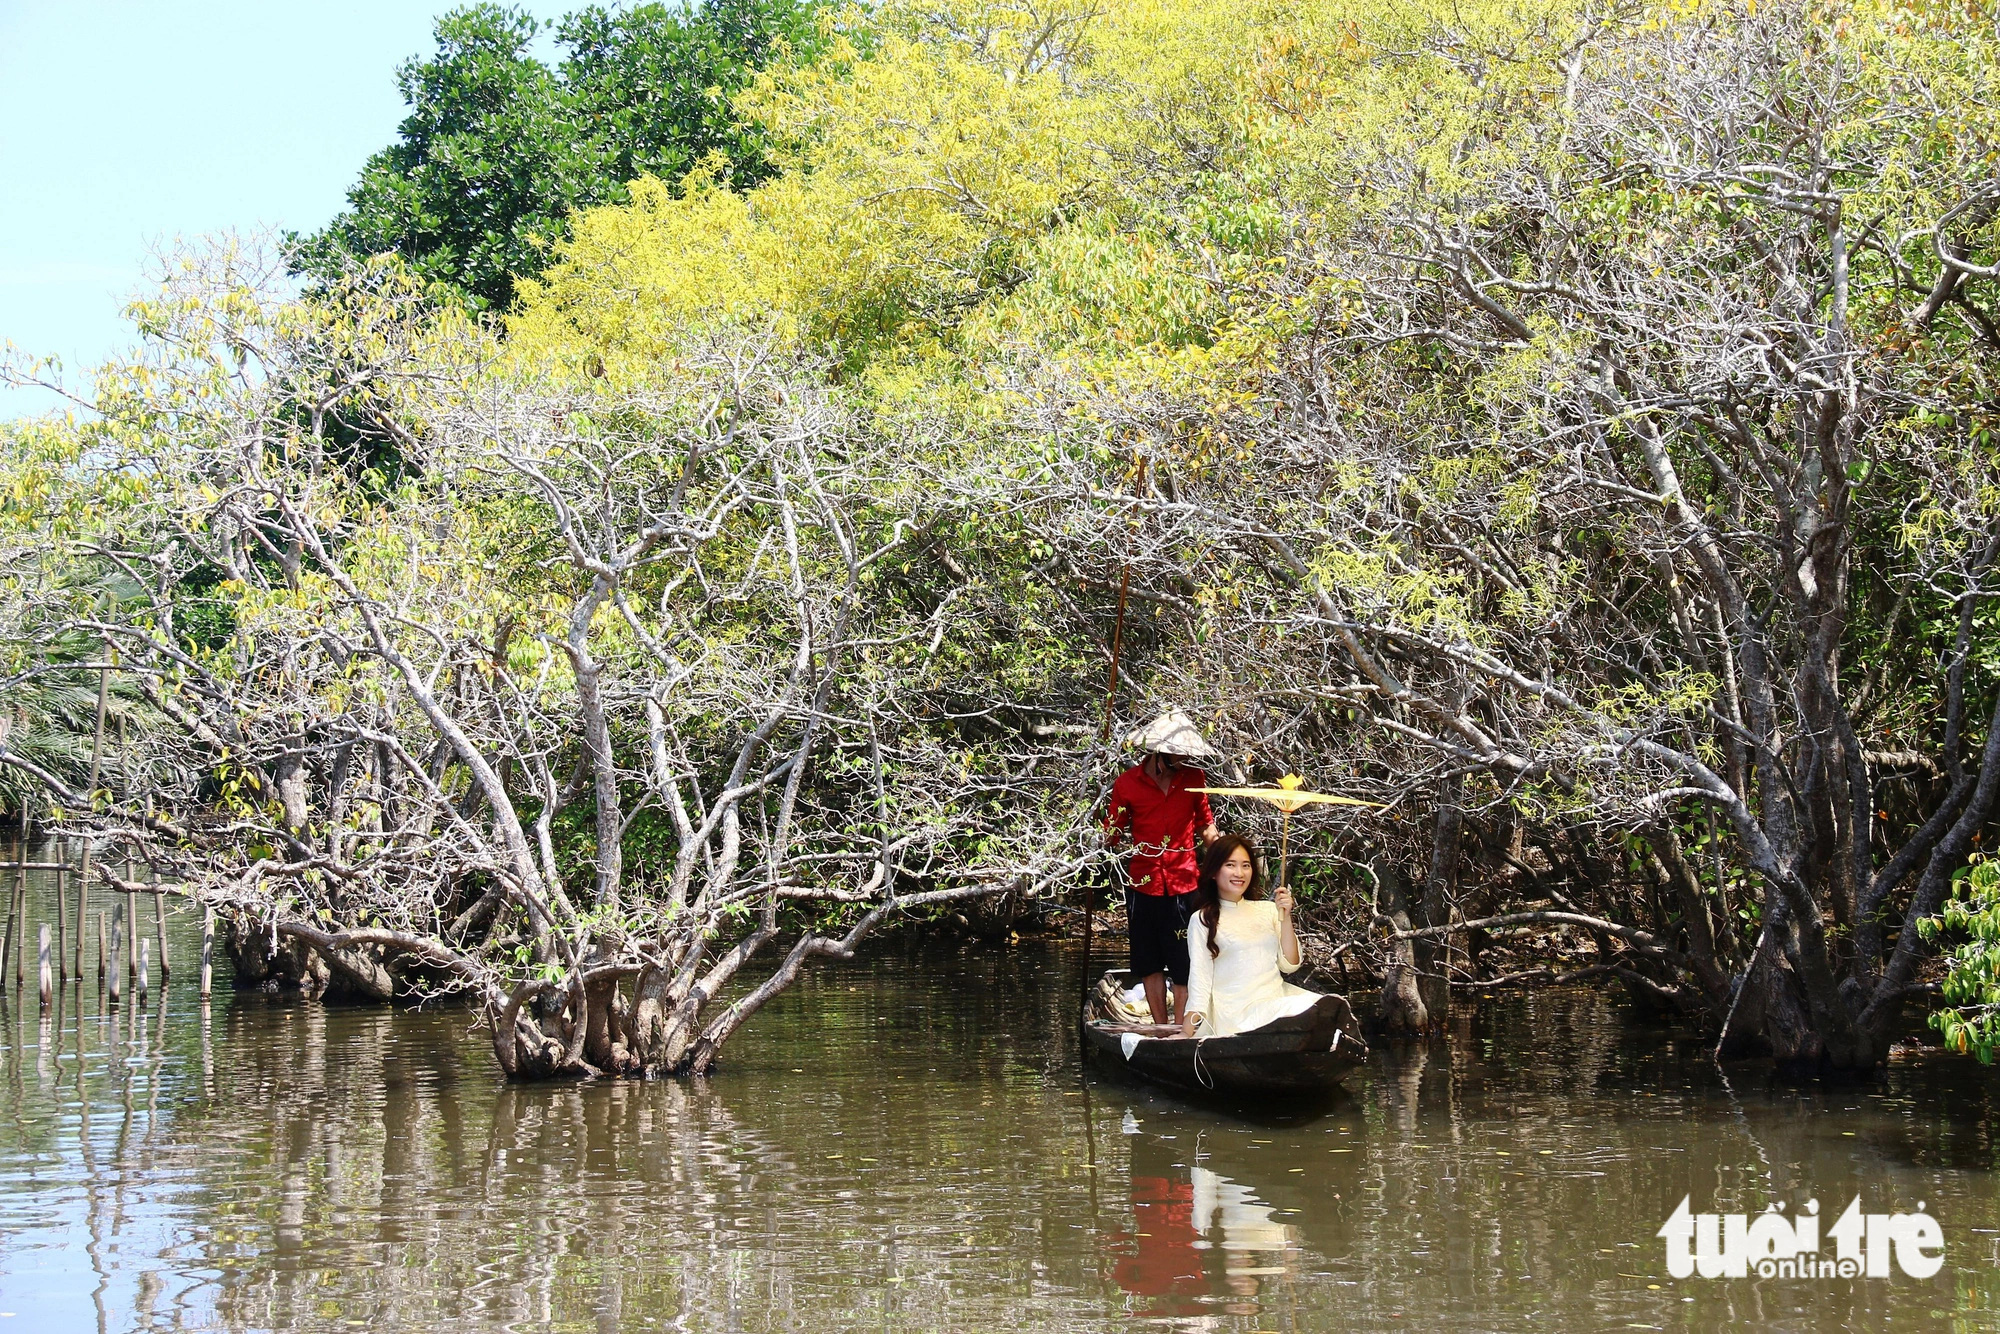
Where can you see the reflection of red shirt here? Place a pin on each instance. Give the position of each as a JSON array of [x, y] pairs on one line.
[[1167, 1261], [1162, 827]]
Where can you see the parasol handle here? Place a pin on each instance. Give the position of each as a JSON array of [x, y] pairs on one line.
[[1284, 847]]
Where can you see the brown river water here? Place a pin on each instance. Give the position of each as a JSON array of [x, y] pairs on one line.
[[906, 1143]]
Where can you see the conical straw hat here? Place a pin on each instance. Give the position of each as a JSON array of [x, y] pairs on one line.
[[1173, 733]]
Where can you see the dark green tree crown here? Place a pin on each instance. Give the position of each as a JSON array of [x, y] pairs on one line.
[[499, 148]]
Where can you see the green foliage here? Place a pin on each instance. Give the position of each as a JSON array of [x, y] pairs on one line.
[[1971, 1020], [1007, 248], [48, 712], [499, 148], [202, 614]]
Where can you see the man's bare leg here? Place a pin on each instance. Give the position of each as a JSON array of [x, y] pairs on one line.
[[1156, 996], [1179, 994]]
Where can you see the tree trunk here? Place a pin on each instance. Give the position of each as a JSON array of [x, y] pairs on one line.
[[296, 966], [1416, 997]]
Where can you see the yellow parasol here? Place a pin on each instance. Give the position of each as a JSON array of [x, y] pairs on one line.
[[1287, 797]]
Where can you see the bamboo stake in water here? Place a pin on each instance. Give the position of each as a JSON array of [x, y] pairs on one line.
[[48, 983], [131, 932], [207, 949], [111, 977], [62, 929], [19, 924], [100, 949], [143, 943], [153, 872], [90, 794], [14, 901], [160, 926]]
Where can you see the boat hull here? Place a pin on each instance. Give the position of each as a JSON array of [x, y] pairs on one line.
[[1299, 1055]]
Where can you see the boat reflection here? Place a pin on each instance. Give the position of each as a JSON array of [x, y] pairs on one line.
[[1201, 1244]]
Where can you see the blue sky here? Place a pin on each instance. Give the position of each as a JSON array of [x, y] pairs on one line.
[[124, 125]]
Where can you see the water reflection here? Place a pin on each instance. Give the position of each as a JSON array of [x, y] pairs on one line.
[[906, 1145], [1159, 1257], [1199, 1242], [1254, 1243]]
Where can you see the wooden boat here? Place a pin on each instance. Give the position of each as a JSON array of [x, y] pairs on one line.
[[1297, 1056]]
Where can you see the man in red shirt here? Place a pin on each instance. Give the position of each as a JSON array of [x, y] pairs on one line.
[[1153, 808]]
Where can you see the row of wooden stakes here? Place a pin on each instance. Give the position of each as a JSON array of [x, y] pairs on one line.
[[125, 944], [125, 925]]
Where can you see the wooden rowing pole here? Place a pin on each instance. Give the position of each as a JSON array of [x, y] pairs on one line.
[[1110, 710]]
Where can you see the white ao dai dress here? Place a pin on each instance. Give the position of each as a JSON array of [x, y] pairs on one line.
[[1243, 987]]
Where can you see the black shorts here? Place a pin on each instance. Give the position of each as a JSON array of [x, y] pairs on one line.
[[1158, 923]]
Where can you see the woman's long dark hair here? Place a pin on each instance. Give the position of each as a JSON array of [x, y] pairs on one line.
[[1207, 900]]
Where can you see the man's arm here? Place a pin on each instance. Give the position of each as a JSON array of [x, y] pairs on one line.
[[1204, 817], [1117, 821]]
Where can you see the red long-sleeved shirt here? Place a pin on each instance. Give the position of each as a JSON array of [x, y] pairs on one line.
[[1162, 827]]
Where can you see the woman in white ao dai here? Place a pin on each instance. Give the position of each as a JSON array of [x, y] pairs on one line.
[[1240, 946]]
